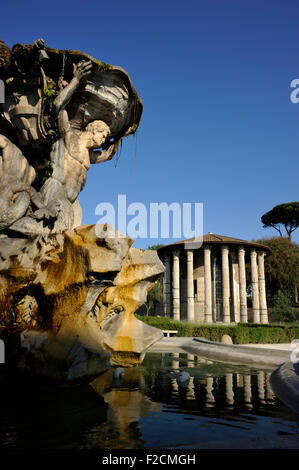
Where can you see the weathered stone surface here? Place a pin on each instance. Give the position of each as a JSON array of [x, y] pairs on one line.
[[67, 292], [68, 301], [64, 110], [285, 383], [226, 339], [127, 405]]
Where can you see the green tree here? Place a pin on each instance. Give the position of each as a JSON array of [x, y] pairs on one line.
[[154, 247], [155, 295], [282, 308], [281, 267], [286, 215]]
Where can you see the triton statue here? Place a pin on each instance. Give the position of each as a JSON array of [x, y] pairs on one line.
[[67, 292]]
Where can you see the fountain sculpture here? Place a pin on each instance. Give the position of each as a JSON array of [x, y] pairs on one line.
[[67, 292]]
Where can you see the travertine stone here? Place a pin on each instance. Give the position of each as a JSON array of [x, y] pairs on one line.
[[167, 285], [255, 287], [200, 299], [235, 287], [61, 119], [176, 285], [190, 287], [208, 285], [73, 299], [226, 339], [225, 284], [262, 288], [242, 278], [67, 292]]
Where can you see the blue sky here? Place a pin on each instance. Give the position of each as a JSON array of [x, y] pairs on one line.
[[214, 76]]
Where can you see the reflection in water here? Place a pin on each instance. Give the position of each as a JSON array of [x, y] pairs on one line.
[[247, 391], [35, 414], [145, 407], [210, 400], [127, 404]]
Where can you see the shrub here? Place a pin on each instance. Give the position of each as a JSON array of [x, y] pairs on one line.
[[243, 333]]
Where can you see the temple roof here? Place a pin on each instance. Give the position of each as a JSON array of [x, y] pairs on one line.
[[213, 238]]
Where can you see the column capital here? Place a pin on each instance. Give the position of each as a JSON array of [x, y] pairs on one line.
[[176, 252], [207, 247], [224, 248], [241, 250], [253, 251], [189, 254]]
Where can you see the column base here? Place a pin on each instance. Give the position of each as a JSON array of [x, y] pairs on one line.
[[264, 317], [256, 316]]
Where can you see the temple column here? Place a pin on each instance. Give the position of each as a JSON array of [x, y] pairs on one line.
[[214, 300], [176, 285], [242, 280], [199, 316], [167, 286], [255, 287], [208, 285], [190, 287], [235, 288], [262, 288], [225, 284]]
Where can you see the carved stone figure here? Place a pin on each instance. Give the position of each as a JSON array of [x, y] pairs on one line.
[[67, 292], [64, 110]]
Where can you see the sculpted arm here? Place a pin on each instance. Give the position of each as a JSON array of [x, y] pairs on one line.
[[99, 156], [83, 69]]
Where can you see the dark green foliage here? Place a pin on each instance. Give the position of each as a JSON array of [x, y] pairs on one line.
[[154, 296], [243, 333], [282, 309], [83, 184], [154, 247], [49, 95], [281, 268], [283, 214]]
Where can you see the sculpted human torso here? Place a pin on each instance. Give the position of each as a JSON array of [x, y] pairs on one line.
[[55, 123], [70, 155]]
